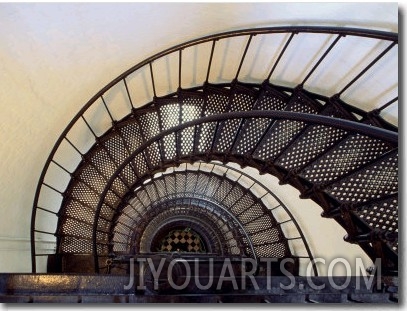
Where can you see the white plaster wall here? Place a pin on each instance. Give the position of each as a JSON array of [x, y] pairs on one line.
[[54, 57]]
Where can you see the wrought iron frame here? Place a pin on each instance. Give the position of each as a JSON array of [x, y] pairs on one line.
[[388, 134]]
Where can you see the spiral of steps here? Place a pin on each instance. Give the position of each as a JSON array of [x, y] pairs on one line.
[[148, 171]]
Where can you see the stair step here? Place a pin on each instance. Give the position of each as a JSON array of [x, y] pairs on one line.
[[381, 214], [315, 140], [253, 129], [241, 99], [282, 132], [348, 155], [378, 179], [192, 105]]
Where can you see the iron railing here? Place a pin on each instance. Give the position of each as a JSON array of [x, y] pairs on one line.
[[147, 66]]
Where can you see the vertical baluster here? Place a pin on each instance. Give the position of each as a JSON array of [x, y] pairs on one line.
[[47, 210], [367, 67], [60, 166], [90, 128], [74, 147], [243, 57], [210, 61], [179, 69], [52, 188], [152, 79], [107, 109], [128, 93], [386, 105], [321, 59], [280, 56]]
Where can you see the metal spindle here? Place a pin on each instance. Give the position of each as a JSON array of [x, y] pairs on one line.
[[89, 127], [47, 210], [44, 232], [243, 57], [152, 79], [388, 104], [367, 67], [74, 147], [179, 69], [321, 59], [280, 56], [107, 109], [56, 190], [128, 93], [60, 166], [210, 61]]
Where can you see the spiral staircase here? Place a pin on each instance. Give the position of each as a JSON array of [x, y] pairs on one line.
[[160, 152]]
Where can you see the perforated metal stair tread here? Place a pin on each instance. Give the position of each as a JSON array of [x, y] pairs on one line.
[[282, 132], [315, 140]]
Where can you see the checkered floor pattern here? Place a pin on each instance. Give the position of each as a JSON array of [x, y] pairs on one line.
[[182, 241]]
